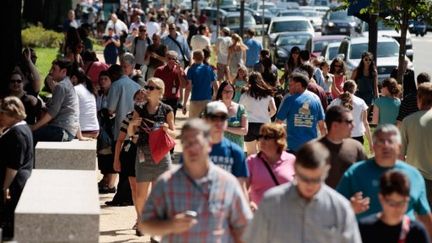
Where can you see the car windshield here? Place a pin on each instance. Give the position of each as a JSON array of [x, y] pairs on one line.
[[286, 26], [292, 40], [384, 49], [332, 52], [310, 14], [319, 45], [291, 13], [235, 20], [340, 15]]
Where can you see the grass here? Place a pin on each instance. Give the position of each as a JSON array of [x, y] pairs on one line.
[[45, 58]]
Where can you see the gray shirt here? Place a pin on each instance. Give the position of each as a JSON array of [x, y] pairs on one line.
[[283, 216], [63, 107], [120, 100], [140, 49]]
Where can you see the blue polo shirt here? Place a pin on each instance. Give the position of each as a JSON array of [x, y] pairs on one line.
[[202, 77], [253, 51]]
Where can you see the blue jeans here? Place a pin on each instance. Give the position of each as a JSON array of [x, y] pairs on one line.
[[52, 134]]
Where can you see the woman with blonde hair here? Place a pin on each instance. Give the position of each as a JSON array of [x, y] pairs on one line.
[[272, 166], [386, 107], [153, 114], [236, 54], [16, 148], [359, 110]]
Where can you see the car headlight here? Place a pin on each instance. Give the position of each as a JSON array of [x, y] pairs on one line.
[[331, 24], [353, 24], [282, 54]]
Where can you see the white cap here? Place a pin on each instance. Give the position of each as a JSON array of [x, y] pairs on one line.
[[216, 107]]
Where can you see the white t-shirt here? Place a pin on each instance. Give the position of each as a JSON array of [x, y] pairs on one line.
[[359, 106], [87, 109], [223, 43], [199, 42], [257, 109], [152, 27]]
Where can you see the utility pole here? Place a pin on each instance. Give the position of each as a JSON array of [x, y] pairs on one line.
[[263, 23], [242, 3]]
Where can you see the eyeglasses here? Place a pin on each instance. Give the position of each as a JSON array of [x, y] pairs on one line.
[[151, 88], [308, 180], [396, 204], [367, 60], [266, 137], [228, 91], [347, 121], [16, 81], [217, 117]]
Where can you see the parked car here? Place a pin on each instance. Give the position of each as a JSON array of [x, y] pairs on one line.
[[389, 31], [279, 25], [387, 54], [317, 44], [321, 10], [224, 3], [339, 23], [418, 27], [232, 21], [330, 51], [314, 17], [281, 48], [212, 14], [187, 4], [256, 14]]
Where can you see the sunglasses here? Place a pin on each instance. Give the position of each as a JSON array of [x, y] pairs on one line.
[[308, 180], [347, 121], [266, 137], [337, 65], [367, 60], [396, 204], [142, 30], [16, 81], [217, 117], [151, 88]]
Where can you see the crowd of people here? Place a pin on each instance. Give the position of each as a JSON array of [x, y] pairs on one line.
[[265, 157]]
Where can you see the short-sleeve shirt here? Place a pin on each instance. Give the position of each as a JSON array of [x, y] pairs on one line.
[[257, 109], [159, 50], [94, 70], [260, 178], [342, 156], [16, 148], [152, 121], [217, 198], [359, 106], [235, 121], [365, 176], [230, 157], [388, 109], [223, 43], [374, 230], [253, 51], [202, 78], [170, 80], [120, 100], [302, 113]]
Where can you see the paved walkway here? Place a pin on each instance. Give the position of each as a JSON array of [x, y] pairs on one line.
[[116, 222]]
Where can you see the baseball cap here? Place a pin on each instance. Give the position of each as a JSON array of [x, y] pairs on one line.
[[216, 107]]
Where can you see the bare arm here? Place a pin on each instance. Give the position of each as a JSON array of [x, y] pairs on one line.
[[244, 187], [376, 92], [42, 122], [215, 86], [427, 222], [34, 73], [272, 108], [354, 75], [118, 145], [242, 130], [368, 133], [375, 115], [186, 95], [179, 224], [170, 129], [322, 128]]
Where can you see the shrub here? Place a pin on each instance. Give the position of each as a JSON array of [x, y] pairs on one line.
[[37, 36]]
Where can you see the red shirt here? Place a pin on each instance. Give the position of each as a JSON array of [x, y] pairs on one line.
[[94, 70], [171, 80]]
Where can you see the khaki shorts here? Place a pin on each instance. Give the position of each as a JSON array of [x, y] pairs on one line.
[[196, 107], [221, 71]]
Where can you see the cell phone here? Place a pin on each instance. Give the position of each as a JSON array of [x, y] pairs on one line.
[[191, 214]]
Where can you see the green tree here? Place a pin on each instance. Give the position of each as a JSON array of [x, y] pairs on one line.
[[397, 13]]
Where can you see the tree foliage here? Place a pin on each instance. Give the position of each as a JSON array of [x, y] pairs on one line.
[[397, 13]]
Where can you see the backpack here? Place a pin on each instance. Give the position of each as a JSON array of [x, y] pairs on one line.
[[136, 41]]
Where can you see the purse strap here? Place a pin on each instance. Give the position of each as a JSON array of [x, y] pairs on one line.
[[405, 229], [269, 169]]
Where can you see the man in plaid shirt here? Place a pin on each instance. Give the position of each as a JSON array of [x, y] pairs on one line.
[[198, 201]]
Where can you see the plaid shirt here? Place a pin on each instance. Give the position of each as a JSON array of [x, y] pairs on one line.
[[217, 198]]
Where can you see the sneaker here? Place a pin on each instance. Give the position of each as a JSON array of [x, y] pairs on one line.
[[106, 190]]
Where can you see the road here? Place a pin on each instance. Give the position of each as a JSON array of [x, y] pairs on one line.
[[423, 53]]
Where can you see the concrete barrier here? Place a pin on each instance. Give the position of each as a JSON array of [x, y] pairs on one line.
[[58, 206], [74, 155]]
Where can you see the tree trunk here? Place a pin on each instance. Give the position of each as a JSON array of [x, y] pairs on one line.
[[32, 11], [402, 48], [10, 24]]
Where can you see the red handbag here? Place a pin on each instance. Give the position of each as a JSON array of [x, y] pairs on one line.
[[160, 144], [159, 141]]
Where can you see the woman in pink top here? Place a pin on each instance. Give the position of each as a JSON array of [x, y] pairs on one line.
[[338, 69], [272, 166]]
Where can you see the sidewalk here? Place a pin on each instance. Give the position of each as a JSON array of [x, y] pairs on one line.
[[116, 222]]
